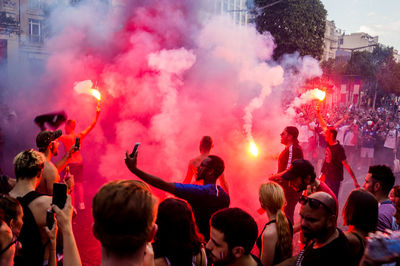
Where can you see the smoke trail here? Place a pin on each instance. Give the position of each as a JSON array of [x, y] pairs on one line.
[[167, 76]]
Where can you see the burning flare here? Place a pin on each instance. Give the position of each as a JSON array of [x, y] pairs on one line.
[[253, 149], [319, 94], [86, 88], [96, 94]]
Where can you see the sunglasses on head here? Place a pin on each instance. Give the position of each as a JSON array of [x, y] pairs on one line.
[[314, 203]]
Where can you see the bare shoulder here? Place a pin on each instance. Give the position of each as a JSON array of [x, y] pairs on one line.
[[39, 207], [160, 262], [270, 233], [41, 203]]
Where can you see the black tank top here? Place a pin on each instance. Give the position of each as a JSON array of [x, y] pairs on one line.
[[32, 252]]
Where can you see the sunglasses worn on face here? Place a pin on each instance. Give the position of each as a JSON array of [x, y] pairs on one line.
[[314, 203]]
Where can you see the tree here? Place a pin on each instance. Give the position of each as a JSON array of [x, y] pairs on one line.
[[295, 25]]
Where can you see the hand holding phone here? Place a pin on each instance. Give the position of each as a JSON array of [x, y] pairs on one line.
[[49, 219], [77, 144], [135, 149], [59, 194]]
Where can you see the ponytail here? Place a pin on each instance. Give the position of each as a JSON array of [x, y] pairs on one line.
[[284, 244]]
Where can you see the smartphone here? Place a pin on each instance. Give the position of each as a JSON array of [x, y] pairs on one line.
[[59, 194], [135, 149], [77, 144], [49, 219]]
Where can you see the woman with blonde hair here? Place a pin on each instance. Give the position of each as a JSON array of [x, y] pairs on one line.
[[275, 241]]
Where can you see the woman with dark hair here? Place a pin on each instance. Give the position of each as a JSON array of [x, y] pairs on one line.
[[12, 213], [178, 241], [275, 241], [360, 213]]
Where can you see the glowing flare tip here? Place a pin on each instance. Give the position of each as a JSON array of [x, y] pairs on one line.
[[96, 94], [319, 94], [253, 149]]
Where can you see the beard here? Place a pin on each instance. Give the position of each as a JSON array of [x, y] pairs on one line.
[[309, 234]]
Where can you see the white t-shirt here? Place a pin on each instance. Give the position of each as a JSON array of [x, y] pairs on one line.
[[390, 141]]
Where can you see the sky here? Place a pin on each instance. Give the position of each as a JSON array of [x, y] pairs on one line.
[[376, 17]]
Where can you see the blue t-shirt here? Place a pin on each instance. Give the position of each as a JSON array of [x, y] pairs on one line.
[[204, 200], [368, 138]]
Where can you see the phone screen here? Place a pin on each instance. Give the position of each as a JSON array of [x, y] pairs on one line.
[[59, 194]]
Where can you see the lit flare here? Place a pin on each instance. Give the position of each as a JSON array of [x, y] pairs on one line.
[[96, 94], [253, 149], [319, 94]]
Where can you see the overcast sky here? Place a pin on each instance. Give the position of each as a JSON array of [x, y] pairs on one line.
[[376, 17]]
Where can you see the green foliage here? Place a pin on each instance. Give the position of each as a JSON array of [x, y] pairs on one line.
[[377, 69], [296, 25]]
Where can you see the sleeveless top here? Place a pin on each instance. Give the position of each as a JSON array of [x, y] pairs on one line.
[[32, 252], [277, 256]]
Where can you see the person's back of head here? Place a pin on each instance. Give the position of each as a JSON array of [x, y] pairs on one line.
[[177, 237], [238, 227], [384, 176], [217, 164], [124, 213], [361, 211], [28, 164], [206, 144]]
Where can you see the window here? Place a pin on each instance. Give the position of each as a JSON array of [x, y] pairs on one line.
[[35, 30], [35, 4]]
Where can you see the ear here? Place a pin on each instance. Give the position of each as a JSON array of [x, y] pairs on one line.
[[238, 252], [377, 186], [152, 233], [332, 221]]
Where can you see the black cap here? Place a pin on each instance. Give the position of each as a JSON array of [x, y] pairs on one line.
[[299, 167], [44, 138]]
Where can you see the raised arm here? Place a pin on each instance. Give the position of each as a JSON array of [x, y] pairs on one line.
[[321, 120], [64, 220], [83, 133], [131, 163], [60, 165]]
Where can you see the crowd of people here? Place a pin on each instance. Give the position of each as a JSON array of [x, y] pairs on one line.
[[198, 226]]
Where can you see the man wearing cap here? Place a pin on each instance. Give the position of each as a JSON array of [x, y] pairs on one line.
[[291, 152], [47, 142]]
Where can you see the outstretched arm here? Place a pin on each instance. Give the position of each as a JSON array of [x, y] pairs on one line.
[[351, 173], [83, 133], [131, 163]]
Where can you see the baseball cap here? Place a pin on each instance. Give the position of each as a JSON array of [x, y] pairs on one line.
[[299, 167], [44, 138]]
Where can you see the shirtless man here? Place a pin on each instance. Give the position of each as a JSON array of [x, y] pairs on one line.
[[76, 162], [47, 142], [206, 144]]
